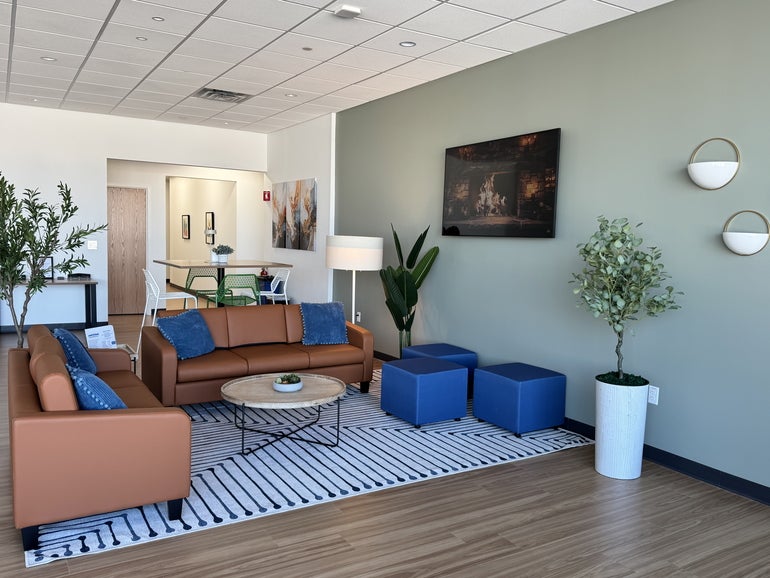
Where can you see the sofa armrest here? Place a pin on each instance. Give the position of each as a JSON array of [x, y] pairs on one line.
[[105, 460], [111, 359], [159, 365], [363, 339]]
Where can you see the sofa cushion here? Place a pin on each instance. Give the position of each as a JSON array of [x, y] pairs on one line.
[[258, 324], [92, 392], [34, 333], [324, 323], [76, 352], [54, 386], [272, 358], [216, 319], [219, 364], [331, 355], [188, 333], [294, 328]]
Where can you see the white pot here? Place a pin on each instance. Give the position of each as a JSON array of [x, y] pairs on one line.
[[621, 412], [223, 258], [214, 257]]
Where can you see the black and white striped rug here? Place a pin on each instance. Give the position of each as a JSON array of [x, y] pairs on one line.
[[376, 451]]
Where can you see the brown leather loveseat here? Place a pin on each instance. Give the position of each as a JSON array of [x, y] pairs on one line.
[[250, 341], [68, 462]]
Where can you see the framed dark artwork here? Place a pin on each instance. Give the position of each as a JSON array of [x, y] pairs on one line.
[[185, 226], [502, 188], [209, 219], [49, 271]]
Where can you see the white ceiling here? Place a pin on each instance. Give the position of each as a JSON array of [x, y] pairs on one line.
[[145, 58]]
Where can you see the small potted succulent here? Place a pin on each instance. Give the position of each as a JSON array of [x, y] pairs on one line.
[[222, 251], [287, 383]]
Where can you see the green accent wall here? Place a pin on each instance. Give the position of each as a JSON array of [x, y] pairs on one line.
[[633, 98]]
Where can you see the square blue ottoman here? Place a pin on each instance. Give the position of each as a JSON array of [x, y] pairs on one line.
[[424, 390], [519, 397], [447, 352]]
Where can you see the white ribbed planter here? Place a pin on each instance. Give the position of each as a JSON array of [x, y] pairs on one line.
[[621, 412]]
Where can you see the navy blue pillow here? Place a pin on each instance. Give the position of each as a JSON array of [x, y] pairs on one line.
[[77, 354], [323, 323], [92, 392], [188, 333]]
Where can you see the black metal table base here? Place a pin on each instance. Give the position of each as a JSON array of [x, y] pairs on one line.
[[239, 419]]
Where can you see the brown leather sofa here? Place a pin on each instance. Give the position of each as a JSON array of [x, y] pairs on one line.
[[66, 462], [250, 341]]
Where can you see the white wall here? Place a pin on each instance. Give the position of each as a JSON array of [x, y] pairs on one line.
[[41, 147], [304, 152]]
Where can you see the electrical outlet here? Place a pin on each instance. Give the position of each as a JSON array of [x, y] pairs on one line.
[[653, 394], [358, 317], [92, 245]]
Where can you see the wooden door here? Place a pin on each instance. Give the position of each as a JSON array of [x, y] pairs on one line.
[[127, 250]]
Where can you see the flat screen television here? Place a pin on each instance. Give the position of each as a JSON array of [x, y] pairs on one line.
[[502, 188]]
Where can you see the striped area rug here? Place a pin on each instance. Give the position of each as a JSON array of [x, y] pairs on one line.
[[376, 451]]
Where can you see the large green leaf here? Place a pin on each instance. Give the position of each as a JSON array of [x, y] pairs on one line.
[[415, 252], [398, 246], [393, 291], [422, 269]]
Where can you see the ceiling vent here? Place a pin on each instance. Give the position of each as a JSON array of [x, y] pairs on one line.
[[218, 95]]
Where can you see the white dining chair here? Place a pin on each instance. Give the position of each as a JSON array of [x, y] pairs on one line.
[[278, 286], [154, 293]]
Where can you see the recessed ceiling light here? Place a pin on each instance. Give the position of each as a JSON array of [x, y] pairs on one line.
[[48, 58], [290, 95], [158, 18], [407, 44], [141, 38], [307, 49]]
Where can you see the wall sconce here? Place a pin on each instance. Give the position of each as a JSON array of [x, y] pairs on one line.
[[353, 254], [712, 175], [743, 243]]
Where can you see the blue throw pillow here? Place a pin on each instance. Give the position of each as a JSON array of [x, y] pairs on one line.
[[92, 392], [323, 323], [77, 354], [188, 333]]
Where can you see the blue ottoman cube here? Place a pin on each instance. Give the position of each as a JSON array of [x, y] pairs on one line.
[[447, 352], [424, 390], [520, 397]]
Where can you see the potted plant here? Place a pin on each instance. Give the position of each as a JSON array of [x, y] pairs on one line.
[[402, 283], [620, 281], [222, 251], [31, 234]]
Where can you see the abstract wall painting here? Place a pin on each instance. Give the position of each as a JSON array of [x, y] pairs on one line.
[[294, 215]]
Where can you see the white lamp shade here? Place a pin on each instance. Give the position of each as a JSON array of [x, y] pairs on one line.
[[353, 253]]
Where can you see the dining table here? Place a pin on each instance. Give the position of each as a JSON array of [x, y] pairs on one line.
[[221, 266]]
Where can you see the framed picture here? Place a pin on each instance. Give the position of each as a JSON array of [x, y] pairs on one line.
[[502, 188], [209, 227], [49, 271], [185, 226], [294, 214]]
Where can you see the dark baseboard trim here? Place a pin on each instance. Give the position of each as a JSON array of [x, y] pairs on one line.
[[707, 474], [384, 356], [69, 326]]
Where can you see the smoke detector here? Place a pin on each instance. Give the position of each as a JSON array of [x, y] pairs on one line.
[[347, 11], [218, 95]]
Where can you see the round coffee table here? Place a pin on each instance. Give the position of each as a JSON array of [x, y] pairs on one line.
[[256, 391]]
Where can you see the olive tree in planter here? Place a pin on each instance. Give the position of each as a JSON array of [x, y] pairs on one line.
[[620, 281], [402, 283], [32, 233]]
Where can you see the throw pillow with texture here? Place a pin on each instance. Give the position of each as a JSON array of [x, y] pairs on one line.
[[76, 352], [188, 333], [323, 323], [92, 392]]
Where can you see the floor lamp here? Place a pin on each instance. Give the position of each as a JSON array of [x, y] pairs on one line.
[[353, 254]]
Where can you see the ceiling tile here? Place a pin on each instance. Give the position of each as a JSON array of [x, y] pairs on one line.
[[107, 79], [199, 6], [51, 42], [316, 85], [454, 22], [86, 107], [637, 5], [104, 99], [43, 69], [465, 55], [190, 79], [280, 93], [165, 88], [224, 123], [127, 36], [140, 14], [390, 82], [240, 116], [260, 111], [22, 53], [574, 15], [514, 37], [183, 117], [280, 62], [157, 96], [425, 70], [116, 67], [135, 112], [248, 35], [141, 104], [39, 81], [320, 49], [318, 109], [215, 106], [57, 23], [425, 42], [98, 9], [19, 87], [368, 59], [200, 48], [271, 13], [31, 100], [121, 53], [197, 65], [257, 75], [392, 12], [264, 102], [5, 15], [506, 8], [296, 115], [360, 94], [242, 86], [348, 30], [99, 89], [338, 73], [339, 102], [195, 111], [314, 3]]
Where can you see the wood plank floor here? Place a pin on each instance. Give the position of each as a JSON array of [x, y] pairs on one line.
[[549, 516]]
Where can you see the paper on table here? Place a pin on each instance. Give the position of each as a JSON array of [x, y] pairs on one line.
[[101, 337]]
